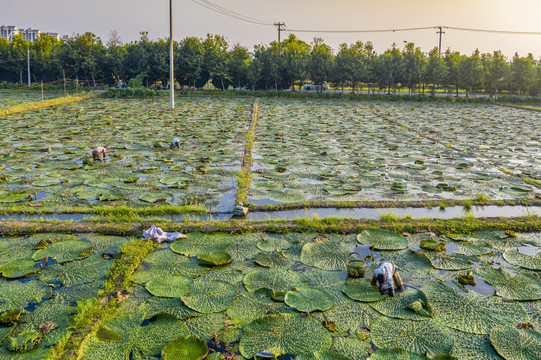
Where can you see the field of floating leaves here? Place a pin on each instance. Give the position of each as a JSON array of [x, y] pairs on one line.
[[42, 153], [308, 150], [287, 294]]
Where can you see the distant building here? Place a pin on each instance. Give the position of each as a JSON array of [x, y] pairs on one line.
[[9, 31], [30, 34]]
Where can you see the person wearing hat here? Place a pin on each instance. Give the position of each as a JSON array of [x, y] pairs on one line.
[[175, 144], [99, 153]]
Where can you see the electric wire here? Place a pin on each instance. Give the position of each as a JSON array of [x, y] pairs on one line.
[[362, 31], [221, 10]]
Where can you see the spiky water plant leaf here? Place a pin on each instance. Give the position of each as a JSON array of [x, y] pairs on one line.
[[4, 246], [328, 255], [206, 325], [168, 263], [198, 243], [517, 287], [273, 244], [284, 334], [249, 306], [171, 306], [515, 257], [415, 336], [244, 247], [322, 355], [469, 346], [409, 305], [272, 279], [362, 290], [16, 295], [533, 309], [272, 260], [44, 182], [477, 248], [444, 261], [156, 196], [352, 347], [309, 299], [24, 341], [516, 344], [351, 316], [189, 348], [215, 258], [209, 296], [64, 251], [18, 268], [58, 314], [169, 286], [471, 312], [15, 196], [123, 337], [382, 240], [78, 272], [396, 354]]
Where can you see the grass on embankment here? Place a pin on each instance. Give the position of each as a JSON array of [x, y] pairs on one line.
[[91, 313], [43, 104], [107, 211], [463, 225], [244, 175]]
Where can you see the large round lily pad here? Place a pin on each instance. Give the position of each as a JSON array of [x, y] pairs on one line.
[[207, 296], [362, 290], [18, 268], [516, 344], [272, 279], [156, 196], [284, 334], [471, 312], [169, 286], [415, 336], [309, 299], [215, 258], [16, 294], [64, 251], [444, 261], [15, 196], [518, 287], [396, 354], [531, 262], [409, 305], [382, 240], [198, 243], [327, 255], [273, 244], [46, 182], [187, 348]]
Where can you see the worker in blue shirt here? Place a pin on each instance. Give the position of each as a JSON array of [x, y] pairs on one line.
[[386, 276]]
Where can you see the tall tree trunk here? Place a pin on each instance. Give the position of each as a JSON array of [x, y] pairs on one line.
[[457, 91]]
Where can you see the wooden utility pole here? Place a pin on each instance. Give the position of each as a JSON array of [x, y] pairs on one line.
[[171, 61], [440, 31], [28, 57], [279, 26]]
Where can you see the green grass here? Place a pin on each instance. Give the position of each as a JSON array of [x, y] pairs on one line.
[[391, 217], [42, 104], [481, 198], [108, 210], [244, 175]]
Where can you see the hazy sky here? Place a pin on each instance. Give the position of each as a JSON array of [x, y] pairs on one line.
[[129, 17]]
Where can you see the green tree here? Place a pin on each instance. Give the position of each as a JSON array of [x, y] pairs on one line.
[[435, 71], [452, 63], [496, 72], [237, 67], [522, 73], [189, 61], [295, 54], [413, 63], [321, 62], [215, 59], [471, 73]]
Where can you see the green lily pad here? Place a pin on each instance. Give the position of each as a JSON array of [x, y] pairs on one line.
[[309, 299], [198, 243], [444, 261], [23, 342], [207, 296], [512, 343], [249, 306], [471, 312], [188, 348], [531, 262], [409, 305], [273, 244], [46, 182], [18, 268], [169, 286], [396, 354], [272, 279], [64, 251], [15, 196], [322, 355], [172, 306], [415, 336], [156, 196], [518, 287], [432, 245], [16, 295], [215, 258], [382, 240], [272, 260], [284, 334], [362, 290], [109, 195], [168, 263], [327, 255]]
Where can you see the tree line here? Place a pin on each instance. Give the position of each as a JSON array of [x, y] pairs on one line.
[[287, 64]]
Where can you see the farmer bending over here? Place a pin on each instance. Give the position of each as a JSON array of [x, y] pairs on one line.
[[99, 153], [175, 144], [387, 277]]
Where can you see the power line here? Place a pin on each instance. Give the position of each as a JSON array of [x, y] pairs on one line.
[[494, 31], [361, 31], [221, 10]]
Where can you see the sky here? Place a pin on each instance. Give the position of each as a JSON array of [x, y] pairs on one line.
[[129, 17]]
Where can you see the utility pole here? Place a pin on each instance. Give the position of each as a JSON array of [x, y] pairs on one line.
[[440, 31], [41, 90], [279, 26], [171, 62], [28, 57], [64, 74]]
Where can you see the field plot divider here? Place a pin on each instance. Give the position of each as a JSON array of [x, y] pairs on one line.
[[244, 176], [43, 104]]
